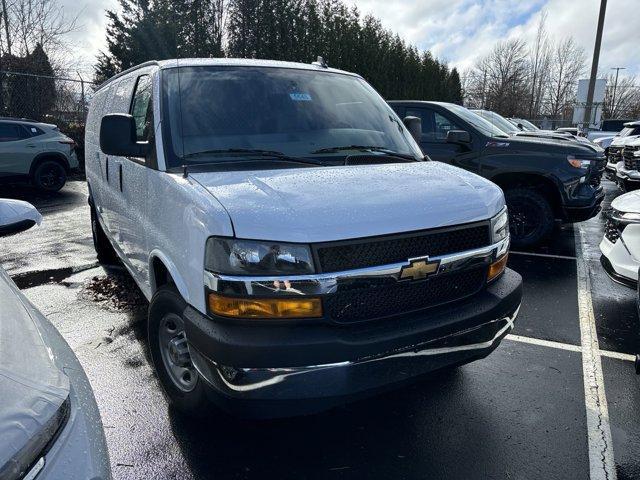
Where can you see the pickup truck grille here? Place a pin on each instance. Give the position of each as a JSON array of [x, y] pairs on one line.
[[630, 162], [614, 154], [381, 301], [362, 253], [612, 229]]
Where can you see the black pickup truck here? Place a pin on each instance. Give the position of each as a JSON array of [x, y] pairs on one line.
[[544, 180]]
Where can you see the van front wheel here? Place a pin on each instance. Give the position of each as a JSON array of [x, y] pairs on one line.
[[168, 345]]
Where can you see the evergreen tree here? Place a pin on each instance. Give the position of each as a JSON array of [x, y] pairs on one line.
[[30, 96], [293, 30]]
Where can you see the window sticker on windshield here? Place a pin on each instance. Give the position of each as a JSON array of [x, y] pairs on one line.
[[300, 97]]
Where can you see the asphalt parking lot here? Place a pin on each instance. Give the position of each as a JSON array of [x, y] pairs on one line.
[[546, 404]]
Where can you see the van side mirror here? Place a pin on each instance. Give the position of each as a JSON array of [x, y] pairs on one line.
[[458, 136], [118, 136], [414, 125], [17, 216]]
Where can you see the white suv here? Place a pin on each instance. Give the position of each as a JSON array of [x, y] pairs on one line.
[[35, 151], [620, 246], [295, 245]]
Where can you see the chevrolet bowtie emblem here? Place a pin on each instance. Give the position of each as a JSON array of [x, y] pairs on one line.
[[419, 268]]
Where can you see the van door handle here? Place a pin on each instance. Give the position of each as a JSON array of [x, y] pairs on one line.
[[120, 175], [106, 168]]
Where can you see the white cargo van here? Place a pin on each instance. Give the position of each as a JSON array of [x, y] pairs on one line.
[[296, 247]]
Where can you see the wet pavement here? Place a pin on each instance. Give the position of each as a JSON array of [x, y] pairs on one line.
[[519, 414]]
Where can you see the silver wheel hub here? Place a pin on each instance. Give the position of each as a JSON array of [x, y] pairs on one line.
[[175, 353]]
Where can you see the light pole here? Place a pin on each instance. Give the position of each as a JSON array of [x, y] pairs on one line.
[[594, 64], [615, 86]]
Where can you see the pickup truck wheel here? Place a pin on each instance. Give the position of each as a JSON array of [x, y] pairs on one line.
[[168, 344], [104, 250], [50, 176], [531, 217]]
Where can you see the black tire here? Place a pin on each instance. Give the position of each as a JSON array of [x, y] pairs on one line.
[[104, 250], [531, 217], [50, 176], [189, 398]]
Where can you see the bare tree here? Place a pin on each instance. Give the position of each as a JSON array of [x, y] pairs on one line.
[[539, 63], [567, 64], [623, 99], [28, 23]]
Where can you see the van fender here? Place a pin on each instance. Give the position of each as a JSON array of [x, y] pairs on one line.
[[172, 270]]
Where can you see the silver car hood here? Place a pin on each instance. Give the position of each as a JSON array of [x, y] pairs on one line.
[[319, 204], [33, 389]]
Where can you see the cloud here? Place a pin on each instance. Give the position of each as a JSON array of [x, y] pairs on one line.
[[462, 31], [458, 31]]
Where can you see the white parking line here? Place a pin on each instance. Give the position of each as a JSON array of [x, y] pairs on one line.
[[569, 347], [601, 464], [544, 255], [545, 343]]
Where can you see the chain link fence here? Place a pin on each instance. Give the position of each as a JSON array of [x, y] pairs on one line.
[[59, 100]]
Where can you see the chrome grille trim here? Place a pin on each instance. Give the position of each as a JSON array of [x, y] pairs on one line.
[[327, 283]]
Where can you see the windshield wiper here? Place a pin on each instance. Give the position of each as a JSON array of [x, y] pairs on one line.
[[372, 148], [255, 153]]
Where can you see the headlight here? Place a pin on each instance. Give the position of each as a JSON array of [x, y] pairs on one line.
[[500, 226], [578, 163], [636, 153], [249, 257]]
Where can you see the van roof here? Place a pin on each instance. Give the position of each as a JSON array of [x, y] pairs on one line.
[[224, 62]]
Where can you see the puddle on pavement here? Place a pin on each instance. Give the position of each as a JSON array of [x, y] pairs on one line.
[[115, 291]]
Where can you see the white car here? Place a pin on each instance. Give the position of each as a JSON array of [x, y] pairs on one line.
[[629, 134], [296, 248], [37, 152], [50, 425], [628, 170], [620, 246]]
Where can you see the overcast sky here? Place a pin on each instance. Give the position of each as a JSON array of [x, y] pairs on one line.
[[458, 31]]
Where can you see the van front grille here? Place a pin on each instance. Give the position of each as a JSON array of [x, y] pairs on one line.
[[374, 251], [369, 303]]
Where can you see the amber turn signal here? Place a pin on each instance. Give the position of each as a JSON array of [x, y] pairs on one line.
[[497, 267], [264, 307]]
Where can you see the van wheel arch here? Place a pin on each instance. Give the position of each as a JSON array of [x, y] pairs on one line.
[[162, 272]]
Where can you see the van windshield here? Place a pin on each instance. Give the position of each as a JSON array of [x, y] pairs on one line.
[[209, 110]]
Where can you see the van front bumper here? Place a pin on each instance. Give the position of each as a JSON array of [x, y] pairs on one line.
[[284, 370]]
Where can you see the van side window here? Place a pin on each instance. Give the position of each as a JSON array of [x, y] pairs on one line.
[[141, 108], [11, 132]]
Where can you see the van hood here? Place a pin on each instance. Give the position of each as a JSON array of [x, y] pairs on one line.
[[627, 203], [550, 145], [320, 204]]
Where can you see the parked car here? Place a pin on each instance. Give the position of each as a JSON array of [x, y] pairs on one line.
[[628, 134], [50, 425], [604, 142], [524, 125], [628, 171], [37, 152], [295, 248], [572, 130], [544, 180], [620, 246], [497, 120], [510, 128]]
